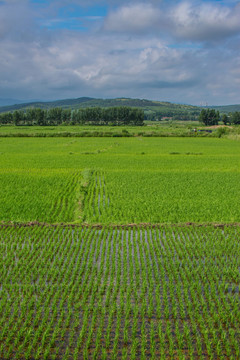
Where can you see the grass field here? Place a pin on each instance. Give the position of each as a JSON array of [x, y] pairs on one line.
[[98, 256], [163, 128]]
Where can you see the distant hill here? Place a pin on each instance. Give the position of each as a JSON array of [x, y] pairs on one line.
[[91, 102], [11, 104], [7, 102], [154, 110], [225, 109], [66, 103]]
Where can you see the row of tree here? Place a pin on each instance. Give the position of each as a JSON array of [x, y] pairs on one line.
[[57, 116], [212, 117]]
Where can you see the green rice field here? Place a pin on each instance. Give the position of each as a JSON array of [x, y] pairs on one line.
[[119, 181], [132, 293], [119, 248]]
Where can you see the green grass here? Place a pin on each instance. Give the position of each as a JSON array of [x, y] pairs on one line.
[[163, 128], [171, 128], [119, 181]]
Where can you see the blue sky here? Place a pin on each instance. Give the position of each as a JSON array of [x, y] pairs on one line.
[[178, 51], [71, 16]]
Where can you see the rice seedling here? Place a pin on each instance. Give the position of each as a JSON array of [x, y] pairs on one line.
[[72, 293], [41, 182], [82, 286]]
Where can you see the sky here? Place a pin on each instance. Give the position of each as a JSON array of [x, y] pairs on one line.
[[178, 51]]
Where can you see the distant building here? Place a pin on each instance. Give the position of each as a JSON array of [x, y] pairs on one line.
[[166, 118]]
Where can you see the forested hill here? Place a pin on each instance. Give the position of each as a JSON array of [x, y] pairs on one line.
[[153, 110], [84, 102], [92, 102], [65, 104], [226, 108]]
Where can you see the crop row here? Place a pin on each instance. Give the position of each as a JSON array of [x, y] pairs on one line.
[[133, 293], [44, 196], [161, 197], [97, 200], [130, 180]]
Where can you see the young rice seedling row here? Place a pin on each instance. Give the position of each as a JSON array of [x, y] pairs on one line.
[[119, 293]]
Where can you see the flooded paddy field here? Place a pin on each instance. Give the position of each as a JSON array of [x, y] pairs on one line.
[[162, 292]]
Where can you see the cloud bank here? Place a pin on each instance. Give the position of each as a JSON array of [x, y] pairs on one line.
[[175, 51]]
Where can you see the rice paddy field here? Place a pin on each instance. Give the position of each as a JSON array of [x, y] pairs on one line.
[[119, 181], [122, 248]]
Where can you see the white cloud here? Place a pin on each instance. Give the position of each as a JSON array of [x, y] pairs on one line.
[[187, 20], [137, 54], [205, 22], [132, 18], [16, 20]]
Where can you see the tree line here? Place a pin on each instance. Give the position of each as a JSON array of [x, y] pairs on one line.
[[121, 115], [212, 117]]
